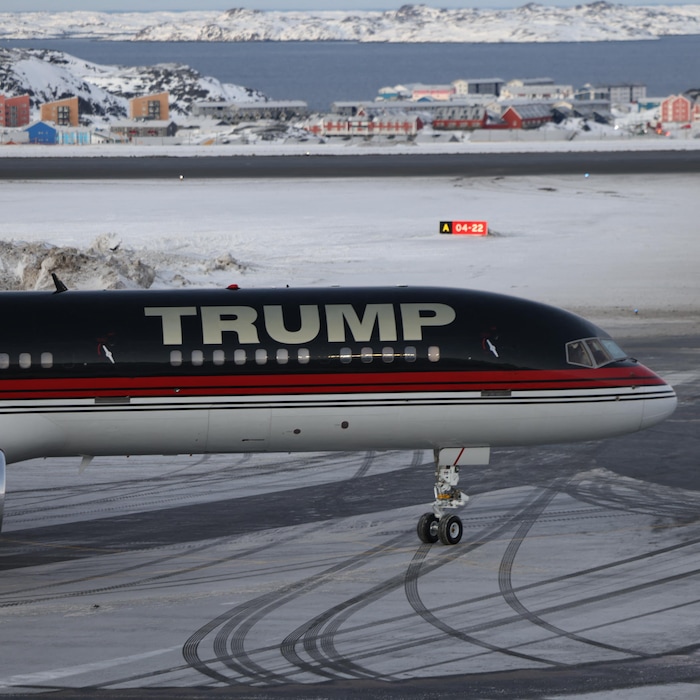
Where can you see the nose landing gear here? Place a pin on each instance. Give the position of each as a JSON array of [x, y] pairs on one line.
[[437, 525], [2, 486]]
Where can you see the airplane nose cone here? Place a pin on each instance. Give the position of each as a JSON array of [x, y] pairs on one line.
[[660, 407]]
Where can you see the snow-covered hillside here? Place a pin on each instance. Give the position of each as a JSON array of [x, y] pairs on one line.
[[597, 21], [104, 91]]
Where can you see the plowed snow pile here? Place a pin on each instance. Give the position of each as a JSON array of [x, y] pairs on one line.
[[103, 265]]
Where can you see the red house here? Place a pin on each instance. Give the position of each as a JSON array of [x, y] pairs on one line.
[[528, 116], [460, 117], [14, 111], [679, 108], [362, 124]]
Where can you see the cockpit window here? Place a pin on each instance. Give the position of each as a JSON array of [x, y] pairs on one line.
[[577, 354], [600, 357], [593, 352], [614, 350]]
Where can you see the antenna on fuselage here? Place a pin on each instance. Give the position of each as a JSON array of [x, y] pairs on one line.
[[60, 287]]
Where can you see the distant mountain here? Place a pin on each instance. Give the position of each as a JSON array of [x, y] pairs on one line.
[[104, 91], [597, 21]]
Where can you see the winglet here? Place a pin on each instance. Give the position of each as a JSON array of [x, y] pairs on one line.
[[60, 287]]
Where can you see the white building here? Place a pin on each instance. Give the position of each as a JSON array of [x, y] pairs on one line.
[[531, 91], [236, 112]]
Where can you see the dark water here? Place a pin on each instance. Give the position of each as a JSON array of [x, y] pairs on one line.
[[322, 72]]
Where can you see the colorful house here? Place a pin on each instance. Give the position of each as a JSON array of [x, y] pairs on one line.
[[14, 111], [527, 116], [679, 109], [62, 113], [42, 132]]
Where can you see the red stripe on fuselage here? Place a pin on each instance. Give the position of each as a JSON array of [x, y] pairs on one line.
[[328, 383]]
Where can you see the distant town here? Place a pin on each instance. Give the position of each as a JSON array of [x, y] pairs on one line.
[[399, 112]]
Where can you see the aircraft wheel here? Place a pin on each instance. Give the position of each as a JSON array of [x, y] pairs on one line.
[[428, 528], [450, 529]]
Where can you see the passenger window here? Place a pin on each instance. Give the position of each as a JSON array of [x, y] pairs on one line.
[[197, 358], [25, 360], [239, 357], [366, 355], [218, 357], [345, 355], [282, 356], [410, 353], [261, 356], [303, 356], [46, 360], [434, 353], [4, 360], [387, 355], [175, 358]]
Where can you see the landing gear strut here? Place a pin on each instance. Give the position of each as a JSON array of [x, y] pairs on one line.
[[438, 525], [2, 487]]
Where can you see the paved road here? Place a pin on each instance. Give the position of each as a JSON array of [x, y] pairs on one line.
[[462, 165], [298, 575]]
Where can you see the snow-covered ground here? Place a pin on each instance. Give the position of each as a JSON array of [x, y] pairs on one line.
[[623, 249], [596, 21], [104, 90], [426, 143]]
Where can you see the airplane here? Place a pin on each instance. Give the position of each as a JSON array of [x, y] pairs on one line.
[[231, 370]]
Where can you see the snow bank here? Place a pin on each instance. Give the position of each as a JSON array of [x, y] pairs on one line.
[[684, 141], [102, 264]]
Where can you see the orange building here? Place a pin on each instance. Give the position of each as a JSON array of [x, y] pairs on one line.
[[14, 111], [150, 107], [62, 113]]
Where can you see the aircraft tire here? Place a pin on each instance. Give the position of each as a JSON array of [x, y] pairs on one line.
[[428, 528], [450, 529]]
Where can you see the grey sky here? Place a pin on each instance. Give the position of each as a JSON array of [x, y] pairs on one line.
[[144, 5]]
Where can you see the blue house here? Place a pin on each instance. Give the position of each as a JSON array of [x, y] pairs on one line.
[[42, 132]]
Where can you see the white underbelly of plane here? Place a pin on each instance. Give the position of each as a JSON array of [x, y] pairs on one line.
[[323, 422]]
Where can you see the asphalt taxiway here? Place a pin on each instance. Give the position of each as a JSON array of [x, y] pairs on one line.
[[300, 575], [317, 165]]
